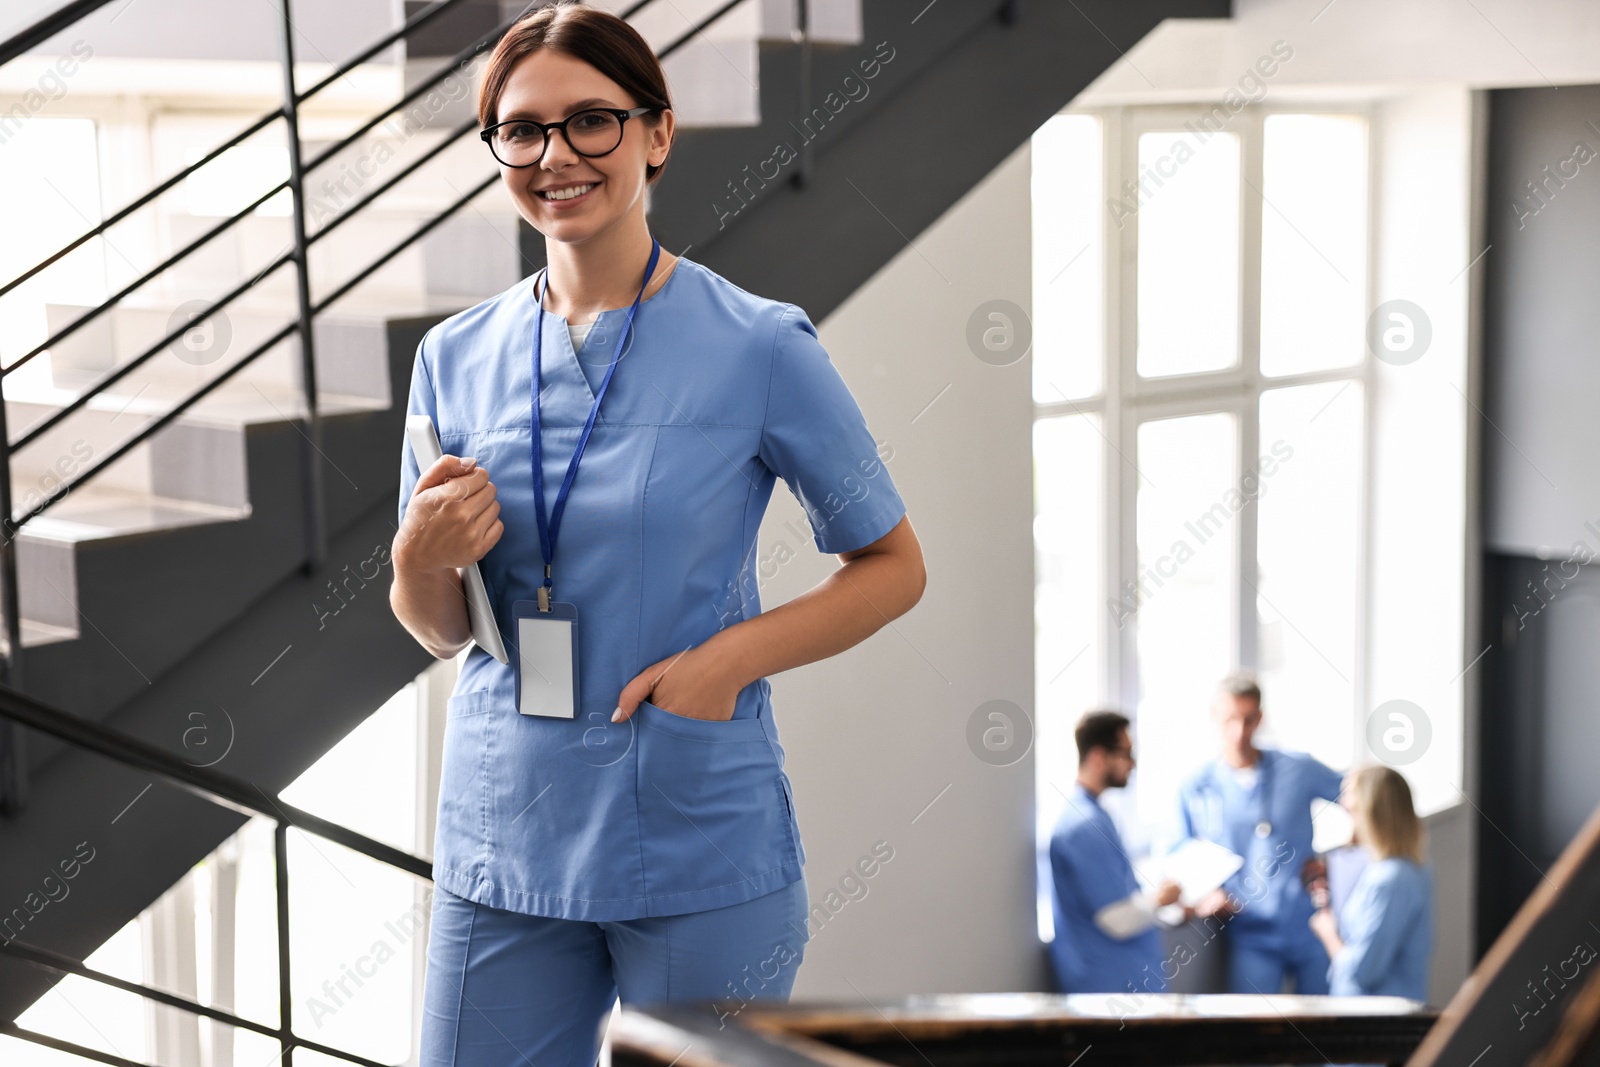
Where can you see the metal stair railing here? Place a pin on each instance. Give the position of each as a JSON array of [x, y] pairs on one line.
[[13, 782], [19, 709]]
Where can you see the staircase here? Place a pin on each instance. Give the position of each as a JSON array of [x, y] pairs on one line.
[[173, 581]]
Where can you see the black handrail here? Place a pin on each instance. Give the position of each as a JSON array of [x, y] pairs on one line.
[[120, 371], [412, 24], [12, 763], [8, 525], [138, 283], [314, 527], [47, 27], [20, 710], [128, 209], [217, 788], [415, 92], [201, 392], [55, 961], [117, 373], [204, 782]]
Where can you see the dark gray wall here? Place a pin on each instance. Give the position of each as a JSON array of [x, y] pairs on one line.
[[1540, 730], [1542, 320]]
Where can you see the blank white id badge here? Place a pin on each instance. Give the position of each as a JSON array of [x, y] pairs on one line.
[[547, 659]]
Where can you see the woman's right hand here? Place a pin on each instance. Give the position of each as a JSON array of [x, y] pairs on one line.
[[453, 518]]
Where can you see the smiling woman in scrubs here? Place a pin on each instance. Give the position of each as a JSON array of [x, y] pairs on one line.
[[643, 843]]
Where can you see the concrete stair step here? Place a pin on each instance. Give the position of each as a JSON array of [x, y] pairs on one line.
[[47, 548], [93, 512], [349, 342], [246, 249]]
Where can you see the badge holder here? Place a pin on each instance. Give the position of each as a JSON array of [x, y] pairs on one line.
[[547, 659], [547, 633]]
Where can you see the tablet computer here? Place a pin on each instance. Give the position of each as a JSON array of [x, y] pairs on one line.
[[425, 446]]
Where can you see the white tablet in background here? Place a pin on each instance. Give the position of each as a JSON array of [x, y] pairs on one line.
[[425, 446]]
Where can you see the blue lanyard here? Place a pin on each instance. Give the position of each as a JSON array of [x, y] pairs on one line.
[[547, 533]]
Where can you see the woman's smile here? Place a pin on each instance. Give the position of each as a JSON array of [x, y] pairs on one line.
[[566, 196]]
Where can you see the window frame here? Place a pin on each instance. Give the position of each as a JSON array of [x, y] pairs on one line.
[[1126, 399]]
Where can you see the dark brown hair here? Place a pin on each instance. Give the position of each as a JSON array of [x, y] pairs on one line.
[[599, 39], [1101, 728]]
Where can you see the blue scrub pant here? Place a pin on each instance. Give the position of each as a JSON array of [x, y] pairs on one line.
[[1256, 966], [504, 989]]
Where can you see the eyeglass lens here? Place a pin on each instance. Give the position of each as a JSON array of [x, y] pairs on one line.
[[591, 133]]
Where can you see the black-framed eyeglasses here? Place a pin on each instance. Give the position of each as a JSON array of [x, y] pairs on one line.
[[594, 131]]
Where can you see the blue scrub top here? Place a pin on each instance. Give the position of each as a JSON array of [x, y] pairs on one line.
[[717, 394], [1090, 869], [1214, 806], [1387, 930]]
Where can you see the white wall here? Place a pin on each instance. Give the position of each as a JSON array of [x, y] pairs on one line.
[[209, 29], [1417, 650], [1364, 45], [874, 735]]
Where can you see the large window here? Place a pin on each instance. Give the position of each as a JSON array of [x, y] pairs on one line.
[[1203, 439]]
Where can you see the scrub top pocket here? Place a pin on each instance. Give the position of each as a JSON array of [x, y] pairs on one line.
[[475, 702], [718, 781]]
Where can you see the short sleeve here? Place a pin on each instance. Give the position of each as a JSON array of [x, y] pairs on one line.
[[815, 438], [1326, 782], [420, 402], [1089, 870]]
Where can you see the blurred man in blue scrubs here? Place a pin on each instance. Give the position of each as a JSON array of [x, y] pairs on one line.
[[1257, 802], [1105, 938]]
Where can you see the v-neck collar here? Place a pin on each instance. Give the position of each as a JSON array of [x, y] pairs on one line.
[[572, 364], [1223, 774]]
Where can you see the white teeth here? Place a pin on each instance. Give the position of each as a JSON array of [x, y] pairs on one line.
[[568, 194]]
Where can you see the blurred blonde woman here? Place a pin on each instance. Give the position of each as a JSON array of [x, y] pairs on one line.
[[1383, 935]]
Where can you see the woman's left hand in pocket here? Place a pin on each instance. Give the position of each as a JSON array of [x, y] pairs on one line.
[[693, 683]]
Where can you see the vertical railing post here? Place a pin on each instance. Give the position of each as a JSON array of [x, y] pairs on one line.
[[13, 756], [802, 20], [311, 442], [280, 851]]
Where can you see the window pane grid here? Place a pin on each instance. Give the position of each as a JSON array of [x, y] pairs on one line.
[[1241, 354]]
